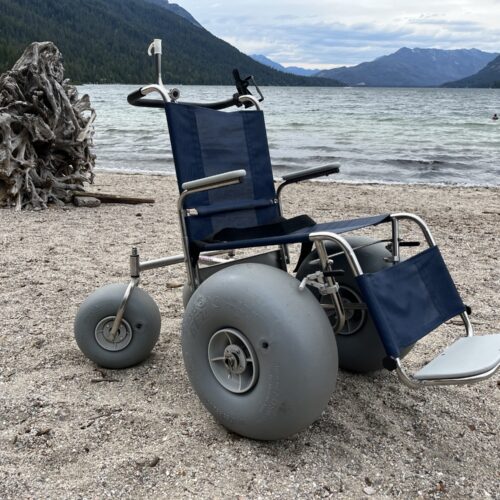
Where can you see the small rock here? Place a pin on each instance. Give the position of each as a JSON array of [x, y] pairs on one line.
[[174, 284], [86, 202], [441, 486], [38, 343], [43, 432], [369, 490]]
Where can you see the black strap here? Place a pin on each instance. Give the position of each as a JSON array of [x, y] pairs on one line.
[[305, 250], [281, 227]]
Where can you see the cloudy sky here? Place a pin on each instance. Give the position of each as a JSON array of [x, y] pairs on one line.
[[329, 33]]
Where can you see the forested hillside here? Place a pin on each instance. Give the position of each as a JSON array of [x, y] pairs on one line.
[[488, 77], [105, 41]]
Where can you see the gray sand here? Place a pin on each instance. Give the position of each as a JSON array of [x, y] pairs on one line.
[[71, 430]]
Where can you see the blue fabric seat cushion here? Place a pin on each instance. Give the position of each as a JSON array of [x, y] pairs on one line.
[[299, 236]]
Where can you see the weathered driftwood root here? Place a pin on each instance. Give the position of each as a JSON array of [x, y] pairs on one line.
[[45, 132]]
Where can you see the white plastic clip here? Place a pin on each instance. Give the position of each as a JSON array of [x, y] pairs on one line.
[[155, 47]]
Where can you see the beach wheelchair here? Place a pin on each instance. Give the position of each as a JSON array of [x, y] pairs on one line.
[[262, 346]]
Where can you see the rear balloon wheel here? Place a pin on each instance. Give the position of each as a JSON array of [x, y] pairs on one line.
[[259, 352]]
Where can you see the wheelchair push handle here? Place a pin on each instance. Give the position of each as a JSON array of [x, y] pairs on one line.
[[137, 98], [155, 50]]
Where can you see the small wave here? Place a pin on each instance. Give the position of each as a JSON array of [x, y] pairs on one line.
[[409, 161], [322, 149]]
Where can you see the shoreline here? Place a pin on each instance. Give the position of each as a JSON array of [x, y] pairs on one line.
[[328, 180], [70, 429]]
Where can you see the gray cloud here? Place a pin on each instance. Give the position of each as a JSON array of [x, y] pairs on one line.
[[316, 36]]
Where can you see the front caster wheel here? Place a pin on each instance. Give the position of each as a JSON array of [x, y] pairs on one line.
[[136, 337], [259, 352]]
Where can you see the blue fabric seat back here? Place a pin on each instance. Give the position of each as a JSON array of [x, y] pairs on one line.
[[206, 142], [410, 299]]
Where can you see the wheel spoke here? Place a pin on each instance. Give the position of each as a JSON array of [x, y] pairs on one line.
[[328, 306], [348, 324], [220, 358]]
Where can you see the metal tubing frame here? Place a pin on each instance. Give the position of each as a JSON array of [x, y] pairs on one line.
[[249, 98], [409, 380], [192, 271], [414, 383], [136, 267], [123, 305], [319, 237], [148, 89], [352, 260]]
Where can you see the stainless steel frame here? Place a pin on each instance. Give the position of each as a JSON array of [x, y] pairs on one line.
[[319, 239]]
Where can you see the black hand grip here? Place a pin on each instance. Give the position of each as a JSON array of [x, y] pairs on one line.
[[134, 96], [137, 98], [215, 105]]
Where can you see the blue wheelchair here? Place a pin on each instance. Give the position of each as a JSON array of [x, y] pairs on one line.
[[262, 346]]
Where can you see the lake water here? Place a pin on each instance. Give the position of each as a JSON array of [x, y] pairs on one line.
[[376, 135]]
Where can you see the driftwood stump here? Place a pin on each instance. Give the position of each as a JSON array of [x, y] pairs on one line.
[[45, 132]]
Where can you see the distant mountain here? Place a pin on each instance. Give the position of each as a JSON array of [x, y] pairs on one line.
[[105, 41], [413, 68], [176, 9], [295, 70], [488, 77]]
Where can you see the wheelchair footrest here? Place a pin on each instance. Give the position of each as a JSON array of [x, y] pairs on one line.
[[466, 358]]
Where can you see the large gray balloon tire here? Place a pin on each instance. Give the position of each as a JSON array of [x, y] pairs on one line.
[[138, 332], [361, 351], [286, 338]]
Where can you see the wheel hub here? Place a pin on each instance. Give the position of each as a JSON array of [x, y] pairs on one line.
[[355, 315], [233, 360], [105, 339]]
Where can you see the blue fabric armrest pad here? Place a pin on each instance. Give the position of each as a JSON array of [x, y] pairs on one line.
[[410, 299], [311, 173]]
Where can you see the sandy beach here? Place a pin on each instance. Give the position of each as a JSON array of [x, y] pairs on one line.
[[69, 429]]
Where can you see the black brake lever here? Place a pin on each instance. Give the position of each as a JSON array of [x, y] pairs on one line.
[[242, 85]]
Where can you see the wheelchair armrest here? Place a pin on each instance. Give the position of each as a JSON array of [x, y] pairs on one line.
[[311, 173], [215, 181], [305, 175]]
